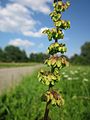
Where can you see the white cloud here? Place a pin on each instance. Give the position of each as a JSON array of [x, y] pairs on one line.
[[16, 18], [20, 42], [36, 5], [35, 34]]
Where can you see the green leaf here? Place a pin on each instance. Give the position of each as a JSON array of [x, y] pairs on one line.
[[60, 49], [56, 70], [58, 63], [52, 82], [57, 16], [45, 31], [53, 61], [47, 82], [58, 24], [54, 18], [60, 3], [64, 49], [49, 37], [56, 45], [54, 4], [49, 77], [53, 77], [51, 14], [40, 78], [53, 101], [68, 3], [68, 22], [56, 35]]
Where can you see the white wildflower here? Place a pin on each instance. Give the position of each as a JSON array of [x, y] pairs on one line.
[[79, 68], [69, 78], [66, 76], [85, 79], [85, 73], [75, 71], [63, 73]]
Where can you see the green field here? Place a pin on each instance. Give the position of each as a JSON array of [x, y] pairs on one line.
[[9, 65], [24, 102]]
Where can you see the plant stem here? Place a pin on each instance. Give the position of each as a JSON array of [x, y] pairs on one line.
[[56, 40], [47, 107], [46, 111]]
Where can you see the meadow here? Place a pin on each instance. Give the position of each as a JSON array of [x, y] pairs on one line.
[[24, 102], [9, 65]]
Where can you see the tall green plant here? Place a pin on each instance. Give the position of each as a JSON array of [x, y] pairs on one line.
[[56, 62]]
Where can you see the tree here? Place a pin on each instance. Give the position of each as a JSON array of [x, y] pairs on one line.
[[2, 56], [84, 57], [14, 54], [32, 57], [76, 59], [85, 53], [24, 57], [55, 62], [38, 57]]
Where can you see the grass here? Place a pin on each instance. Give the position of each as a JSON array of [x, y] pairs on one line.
[[9, 65], [24, 102]]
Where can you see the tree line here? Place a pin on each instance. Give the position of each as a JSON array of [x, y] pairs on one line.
[[15, 54], [84, 57]]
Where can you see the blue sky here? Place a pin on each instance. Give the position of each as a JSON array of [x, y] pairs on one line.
[[21, 23]]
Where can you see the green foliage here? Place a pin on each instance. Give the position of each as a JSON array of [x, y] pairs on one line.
[[2, 55], [13, 54], [85, 49], [85, 52], [23, 103], [38, 57], [84, 57]]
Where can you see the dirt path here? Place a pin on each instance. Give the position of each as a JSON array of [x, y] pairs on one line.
[[11, 76]]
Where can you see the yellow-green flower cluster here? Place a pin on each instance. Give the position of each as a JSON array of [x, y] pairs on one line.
[[56, 62], [54, 34], [61, 6], [55, 16], [48, 78], [56, 47], [63, 24], [53, 97]]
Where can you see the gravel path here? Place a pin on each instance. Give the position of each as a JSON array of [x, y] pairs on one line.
[[11, 76]]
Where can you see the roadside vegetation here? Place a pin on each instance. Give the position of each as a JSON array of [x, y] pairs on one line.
[[24, 103], [9, 65]]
